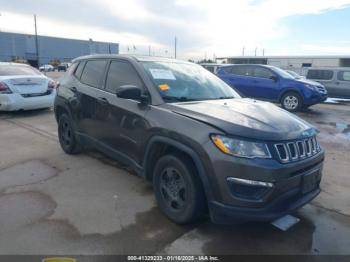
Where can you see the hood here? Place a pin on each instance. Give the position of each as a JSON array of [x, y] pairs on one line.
[[246, 118], [309, 82]]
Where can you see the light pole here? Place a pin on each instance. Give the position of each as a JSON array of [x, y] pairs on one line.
[[175, 47], [36, 42]]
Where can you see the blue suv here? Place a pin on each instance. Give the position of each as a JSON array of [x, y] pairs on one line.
[[273, 84]]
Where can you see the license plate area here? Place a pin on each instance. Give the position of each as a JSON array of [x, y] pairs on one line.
[[310, 181]]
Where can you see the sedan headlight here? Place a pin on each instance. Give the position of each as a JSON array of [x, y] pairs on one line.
[[241, 148]]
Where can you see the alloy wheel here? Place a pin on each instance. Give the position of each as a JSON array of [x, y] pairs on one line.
[[291, 102]]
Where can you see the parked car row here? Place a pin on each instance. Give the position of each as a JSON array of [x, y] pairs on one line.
[[334, 82], [273, 84], [50, 68]]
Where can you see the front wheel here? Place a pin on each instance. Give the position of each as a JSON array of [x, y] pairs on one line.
[[178, 190], [292, 102]]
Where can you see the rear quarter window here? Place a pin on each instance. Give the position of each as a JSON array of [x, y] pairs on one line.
[[78, 70], [320, 74], [93, 72]]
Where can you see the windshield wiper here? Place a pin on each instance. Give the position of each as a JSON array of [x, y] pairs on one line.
[[177, 98], [226, 97]]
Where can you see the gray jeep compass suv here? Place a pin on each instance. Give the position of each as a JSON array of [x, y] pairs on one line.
[[205, 149]]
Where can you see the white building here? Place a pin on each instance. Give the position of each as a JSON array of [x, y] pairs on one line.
[[290, 62]]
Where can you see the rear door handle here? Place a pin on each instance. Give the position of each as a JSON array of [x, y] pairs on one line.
[[103, 101]]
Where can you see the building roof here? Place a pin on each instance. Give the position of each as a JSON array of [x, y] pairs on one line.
[[288, 57], [55, 37]]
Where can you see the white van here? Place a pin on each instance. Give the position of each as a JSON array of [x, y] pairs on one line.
[[335, 79]]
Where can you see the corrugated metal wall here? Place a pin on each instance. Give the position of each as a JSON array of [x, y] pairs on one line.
[[20, 46]]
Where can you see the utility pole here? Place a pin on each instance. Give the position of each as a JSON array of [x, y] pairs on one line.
[[243, 51], [264, 52], [256, 50], [149, 50], [175, 47], [36, 42]]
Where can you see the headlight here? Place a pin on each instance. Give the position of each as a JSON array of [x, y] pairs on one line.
[[311, 87], [241, 148]]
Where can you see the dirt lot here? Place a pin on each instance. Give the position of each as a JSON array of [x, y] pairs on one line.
[[52, 203]]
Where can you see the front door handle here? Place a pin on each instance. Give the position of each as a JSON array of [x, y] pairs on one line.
[[103, 101], [73, 89]]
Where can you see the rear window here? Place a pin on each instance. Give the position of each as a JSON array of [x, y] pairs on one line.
[[320, 74], [14, 70], [344, 75], [93, 72]]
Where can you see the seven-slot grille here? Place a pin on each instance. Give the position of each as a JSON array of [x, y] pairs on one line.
[[297, 150]]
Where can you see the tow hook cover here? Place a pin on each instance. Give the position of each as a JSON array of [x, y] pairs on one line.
[[286, 222]]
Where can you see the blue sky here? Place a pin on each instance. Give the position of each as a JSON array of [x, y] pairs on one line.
[[203, 27], [323, 31]]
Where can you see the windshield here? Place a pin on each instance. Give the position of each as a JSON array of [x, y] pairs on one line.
[[295, 75], [13, 70], [282, 73], [187, 82]]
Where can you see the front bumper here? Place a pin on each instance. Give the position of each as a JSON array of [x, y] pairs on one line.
[[283, 205], [287, 194], [315, 99], [15, 102]]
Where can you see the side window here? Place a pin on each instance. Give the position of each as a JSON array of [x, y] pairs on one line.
[[93, 72], [120, 74], [238, 70], [79, 69], [210, 68], [262, 72], [319, 74], [344, 75]]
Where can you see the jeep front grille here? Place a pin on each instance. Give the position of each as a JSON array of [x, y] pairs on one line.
[[297, 150]]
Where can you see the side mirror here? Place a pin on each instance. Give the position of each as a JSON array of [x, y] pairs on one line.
[[132, 92], [274, 78]]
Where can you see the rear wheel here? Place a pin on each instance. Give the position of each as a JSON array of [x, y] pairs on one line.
[[66, 135], [292, 101], [178, 190]]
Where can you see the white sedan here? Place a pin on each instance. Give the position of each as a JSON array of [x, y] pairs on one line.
[[23, 87], [46, 68]]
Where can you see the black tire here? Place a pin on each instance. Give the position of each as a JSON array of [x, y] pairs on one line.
[[66, 135], [292, 102], [178, 190]]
